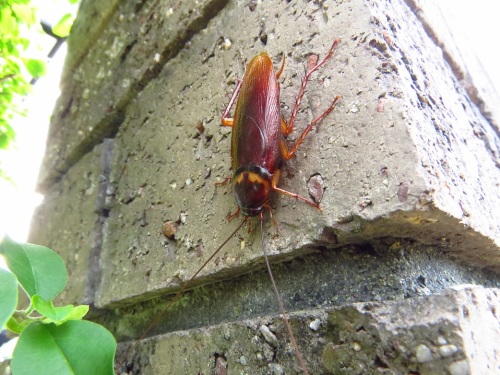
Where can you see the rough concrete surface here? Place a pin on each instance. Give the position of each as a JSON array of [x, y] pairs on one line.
[[439, 334], [408, 167]]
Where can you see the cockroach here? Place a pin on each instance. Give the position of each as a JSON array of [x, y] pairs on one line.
[[258, 151]]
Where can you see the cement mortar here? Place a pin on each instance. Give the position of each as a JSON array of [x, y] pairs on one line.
[[382, 270]]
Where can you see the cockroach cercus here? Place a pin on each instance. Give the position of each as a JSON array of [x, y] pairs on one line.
[[258, 150]]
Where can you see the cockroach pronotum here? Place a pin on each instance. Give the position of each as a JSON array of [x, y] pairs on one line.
[[258, 150]]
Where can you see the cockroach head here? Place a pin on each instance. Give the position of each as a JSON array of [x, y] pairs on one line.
[[252, 185]]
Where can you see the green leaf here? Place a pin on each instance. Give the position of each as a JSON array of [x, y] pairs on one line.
[[25, 13], [58, 315], [35, 67], [75, 347], [18, 322], [7, 21], [8, 296], [7, 135], [78, 312], [63, 27], [38, 269]]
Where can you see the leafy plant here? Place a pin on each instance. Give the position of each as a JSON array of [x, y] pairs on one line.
[[53, 340], [16, 67], [21, 60]]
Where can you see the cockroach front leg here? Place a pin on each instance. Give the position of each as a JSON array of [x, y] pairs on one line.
[[275, 224], [274, 186], [231, 216], [228, 121], [225, 181]]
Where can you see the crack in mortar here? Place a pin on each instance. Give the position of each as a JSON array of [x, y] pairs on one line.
[[94, 273]]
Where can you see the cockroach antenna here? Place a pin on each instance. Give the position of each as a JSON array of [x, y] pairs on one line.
[[298, 353]]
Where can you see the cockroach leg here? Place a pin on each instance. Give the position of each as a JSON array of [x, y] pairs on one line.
[[288, 153], [289, 126], [228, 121], [275, 224], [225, 181], [274, 186], [284, 127], [282, 67], [231, 216]]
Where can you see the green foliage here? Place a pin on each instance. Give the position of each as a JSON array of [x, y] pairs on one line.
[[19, 25], [38, 269], [16, 19], [8, 296], [58, 315], [75, 347], [53, 339], [63, 27]]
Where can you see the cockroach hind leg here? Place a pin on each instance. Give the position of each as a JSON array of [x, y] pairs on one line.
[[287, 154]]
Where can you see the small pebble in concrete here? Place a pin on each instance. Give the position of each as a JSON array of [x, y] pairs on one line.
[[459, 368], [168, 229], [447, 350], [227, 44], [356, 347], [315, 187], [442, 341], [315, 324], [276, 369], [200, 127], [268, 335], [423, 353]]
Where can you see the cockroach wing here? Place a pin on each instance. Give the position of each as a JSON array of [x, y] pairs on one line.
[[256, 131]]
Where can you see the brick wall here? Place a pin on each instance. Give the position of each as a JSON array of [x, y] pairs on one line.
[[410, 171]]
